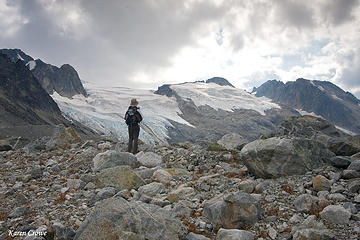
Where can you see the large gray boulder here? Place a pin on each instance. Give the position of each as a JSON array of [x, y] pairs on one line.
[[335, 214], [116, 218], [232, 141], [235, 210], [149, 159], [113, 158], [276, 157], [311, 229], [121, 177]]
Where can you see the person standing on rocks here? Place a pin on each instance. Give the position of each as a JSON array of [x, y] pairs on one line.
[[132, 118]]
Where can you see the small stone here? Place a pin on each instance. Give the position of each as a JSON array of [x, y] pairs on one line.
[[335, 214], [193, 236], [357, 198], [350, 207], [73, 183], [62, 232], [337, 189], [64, 189], [152, 189], [354, 186], [247, 186], [272, 233], [323, 194], [90, 186], [234, 234]]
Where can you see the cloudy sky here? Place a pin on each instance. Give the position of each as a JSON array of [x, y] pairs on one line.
[[145, 43]]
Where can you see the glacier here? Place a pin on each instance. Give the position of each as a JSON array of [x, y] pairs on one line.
[[104, 108]]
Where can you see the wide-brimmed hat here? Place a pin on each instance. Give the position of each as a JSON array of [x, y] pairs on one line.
[[134, 102]]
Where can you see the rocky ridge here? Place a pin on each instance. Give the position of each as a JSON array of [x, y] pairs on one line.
[[70, 190], [320, 97], [64, 80]]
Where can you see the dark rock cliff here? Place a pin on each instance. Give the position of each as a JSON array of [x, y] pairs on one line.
[[64, 80], [22, 99]]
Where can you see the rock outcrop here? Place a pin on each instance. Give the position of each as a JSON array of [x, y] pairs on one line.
[[275, 157]]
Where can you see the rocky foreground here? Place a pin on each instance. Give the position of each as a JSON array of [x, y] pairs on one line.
[[66, 188]]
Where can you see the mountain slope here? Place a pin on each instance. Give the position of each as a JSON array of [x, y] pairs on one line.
[[320, 97], [22, 98], [64, 80]]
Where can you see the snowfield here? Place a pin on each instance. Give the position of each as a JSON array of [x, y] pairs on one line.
[[103, 110], [222, 97]]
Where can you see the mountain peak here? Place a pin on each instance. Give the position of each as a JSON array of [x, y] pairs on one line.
[[219, 81], [64, 80]]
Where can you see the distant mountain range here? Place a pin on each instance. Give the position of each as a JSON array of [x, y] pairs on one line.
[[64, 80], [320, 97], [193, 111]]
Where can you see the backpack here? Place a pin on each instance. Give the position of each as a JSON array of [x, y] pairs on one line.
[[132, 116]]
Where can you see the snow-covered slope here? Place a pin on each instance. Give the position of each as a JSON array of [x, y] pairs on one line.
[[222, 97], [103, 110]]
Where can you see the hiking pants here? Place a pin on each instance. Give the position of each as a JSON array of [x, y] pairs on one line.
[[133, 138]]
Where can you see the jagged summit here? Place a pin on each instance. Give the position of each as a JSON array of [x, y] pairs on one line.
[[320, 97], [64, 80]]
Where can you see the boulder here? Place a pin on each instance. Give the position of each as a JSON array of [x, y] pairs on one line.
[[354, 186], [232, 141], [116, 218], [311, 229], [235, 210], [350, 174], [149, 159], [162, 176], [152, 189], [121, 177], [341, 161], [355, 165], [335, 214], [234, 234], [113, 158], [344, 146], [183, 192], [247, 186], [321, 183], [62, 138], [276, 157], [5, 146], [306, 203]]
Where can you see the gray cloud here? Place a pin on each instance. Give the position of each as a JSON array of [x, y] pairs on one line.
[[291, 13], [338, 12], [110, 41]]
